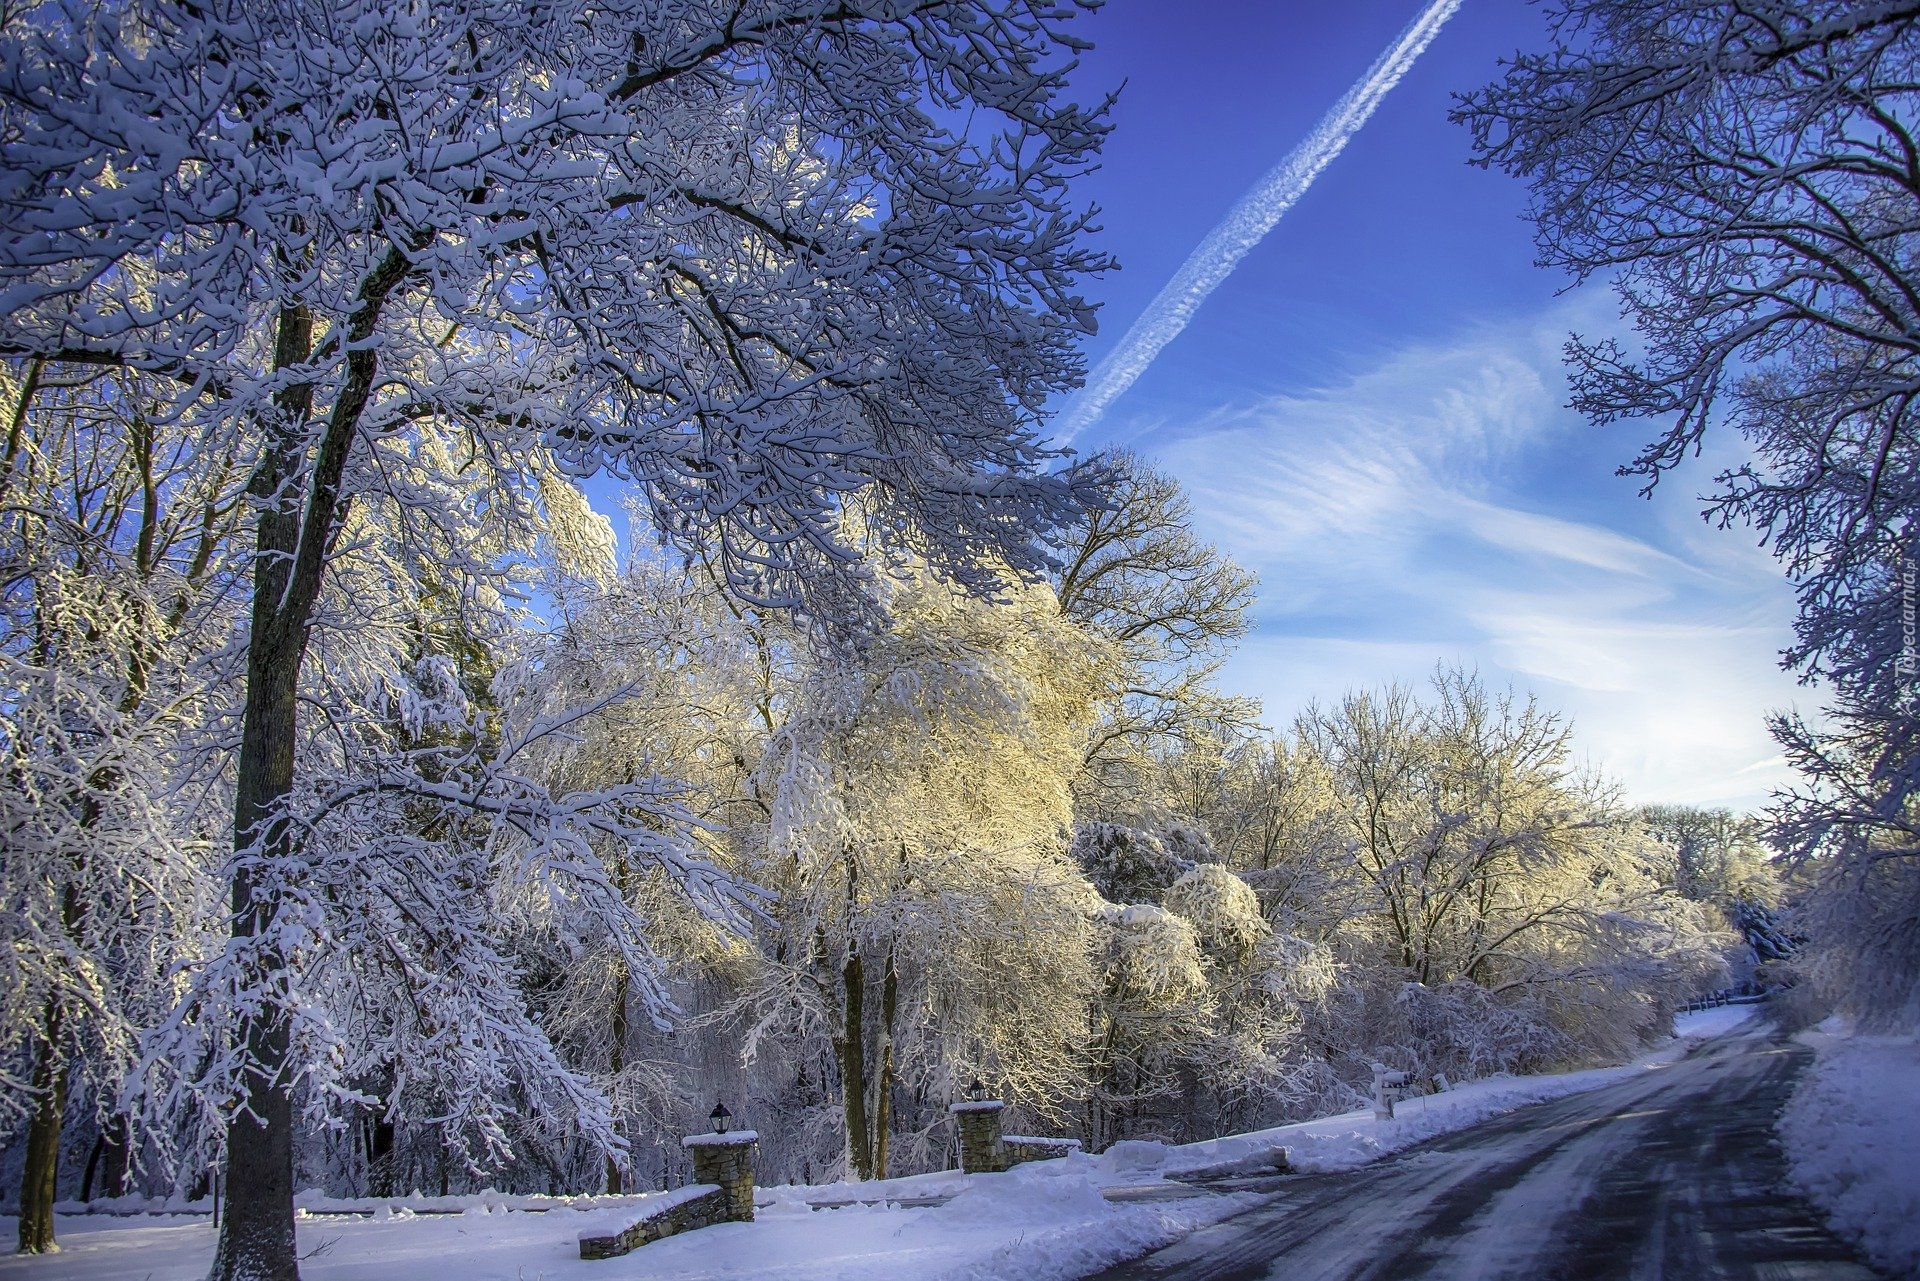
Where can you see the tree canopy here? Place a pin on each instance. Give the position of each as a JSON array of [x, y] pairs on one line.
[[767, 263], [1747, 177]]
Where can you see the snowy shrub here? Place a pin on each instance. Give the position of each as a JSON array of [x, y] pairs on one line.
[[1125, 864], [1465, 1031], [929, 926], [1864, 923], [1153, 954], [1222, 908], [1294, 970], [1186, 841]]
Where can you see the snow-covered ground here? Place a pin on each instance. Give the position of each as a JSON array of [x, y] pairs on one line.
[[1046, 1221], [1852, 1135]]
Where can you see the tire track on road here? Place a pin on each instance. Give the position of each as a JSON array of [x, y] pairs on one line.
[[1670, 1174]]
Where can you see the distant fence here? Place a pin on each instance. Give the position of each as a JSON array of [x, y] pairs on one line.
[[1725, 996]]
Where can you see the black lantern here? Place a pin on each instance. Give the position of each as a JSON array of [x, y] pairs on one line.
[[719, 1116], [976, 1093]]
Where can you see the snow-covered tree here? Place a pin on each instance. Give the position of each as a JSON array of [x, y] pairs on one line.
[[1133, 571], [434, 825], [930, 924], [1281, 824], [1126, 864], [1153, 1006], [1223, 910], [1743, 174], [1718, 856], [762, 261], [674, 674], [1198, 1019], [1489, 861], [114, 556], [1857, 820]]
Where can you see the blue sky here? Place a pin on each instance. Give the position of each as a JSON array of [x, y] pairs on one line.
[[1369, 413]]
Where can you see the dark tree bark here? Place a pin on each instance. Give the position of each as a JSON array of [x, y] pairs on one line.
[[883, 1083], [856, 1058], [617, 1056], [49, 1081], [43, 1139], [16, 425], [257, 1232], [617, 1033], [852, 1047], [93, 1165], [108, 1159], [380, 1145]]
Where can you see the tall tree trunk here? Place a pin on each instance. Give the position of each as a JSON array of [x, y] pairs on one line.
[[49, 1081], [883, 1082], [43, 1139], [257, 1234], [380, 1145], [853, 1061], [291, 541], [16, 427], [617, 1057], [851, 1045], [617, 1038], [93, 1165], [109, 1159]]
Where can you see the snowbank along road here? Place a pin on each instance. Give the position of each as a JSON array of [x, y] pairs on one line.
[[1675, 1174]]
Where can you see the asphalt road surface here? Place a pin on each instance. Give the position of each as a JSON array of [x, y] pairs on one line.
[[1672, 1174]]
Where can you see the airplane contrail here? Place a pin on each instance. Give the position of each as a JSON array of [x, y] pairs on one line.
[[1246, 224]]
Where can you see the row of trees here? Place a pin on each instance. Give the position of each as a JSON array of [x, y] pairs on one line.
[[561, 885]]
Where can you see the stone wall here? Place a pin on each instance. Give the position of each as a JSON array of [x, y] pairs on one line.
[[721, 1193], [1021, 1148], [694, 1206], [726, 1160]]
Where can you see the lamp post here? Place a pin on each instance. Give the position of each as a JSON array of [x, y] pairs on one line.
[[719, 1116]]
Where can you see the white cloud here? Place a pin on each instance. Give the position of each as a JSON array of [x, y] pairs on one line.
[[1444, 506], [1525, 533]]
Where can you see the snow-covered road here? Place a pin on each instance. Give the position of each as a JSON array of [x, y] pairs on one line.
[[1669, 1174]]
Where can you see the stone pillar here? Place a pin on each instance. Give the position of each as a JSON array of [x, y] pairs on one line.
[[981, 1148], [726, 1160]]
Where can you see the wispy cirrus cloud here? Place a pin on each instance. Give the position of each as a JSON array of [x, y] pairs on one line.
[[1442, 505]]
